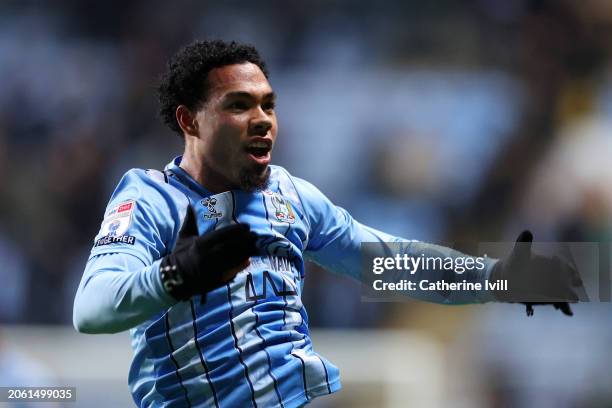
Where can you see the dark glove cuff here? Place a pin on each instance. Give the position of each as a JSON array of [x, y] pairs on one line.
[[172, 279]]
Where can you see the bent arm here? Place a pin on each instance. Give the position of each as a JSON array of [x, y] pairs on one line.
[[118, 292]]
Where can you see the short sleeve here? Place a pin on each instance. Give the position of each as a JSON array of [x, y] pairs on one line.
[[142, 218]]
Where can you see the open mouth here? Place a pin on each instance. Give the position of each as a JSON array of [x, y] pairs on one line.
[[260, 151]]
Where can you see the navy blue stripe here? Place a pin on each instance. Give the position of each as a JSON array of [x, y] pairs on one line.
[[263, 198], [321, 360], [246, 370], [176, 370], [293, 309], [286, 304], [304, 216], [263, 346], [271, 239], [303, 374], [326, 375], [287, 307], [284, 283], [202, 360], [234, 207], [280, 400], [288, 224]]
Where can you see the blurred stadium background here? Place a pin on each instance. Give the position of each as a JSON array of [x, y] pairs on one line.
[[441, 121]]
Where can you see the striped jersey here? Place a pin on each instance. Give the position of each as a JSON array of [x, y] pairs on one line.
[[248, 344]]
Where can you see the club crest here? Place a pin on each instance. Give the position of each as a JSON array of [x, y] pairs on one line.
[[282, 207]]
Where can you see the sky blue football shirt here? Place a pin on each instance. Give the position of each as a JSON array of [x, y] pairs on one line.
[[249, 343]]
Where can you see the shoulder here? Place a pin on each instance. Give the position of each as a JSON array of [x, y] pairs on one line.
[[281, 176], [148, 184], [141, 179], [309, 199], [142, 216], [285, 183], [278, 173], [151, 193], [305, 190]]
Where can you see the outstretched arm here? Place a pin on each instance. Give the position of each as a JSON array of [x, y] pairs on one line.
[[336, 239], [336, 243]]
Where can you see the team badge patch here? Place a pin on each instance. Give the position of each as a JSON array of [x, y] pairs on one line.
[[118, 219], [282, 207]]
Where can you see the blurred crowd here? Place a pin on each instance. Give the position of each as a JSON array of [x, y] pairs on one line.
[[442, 123], [439, 121]]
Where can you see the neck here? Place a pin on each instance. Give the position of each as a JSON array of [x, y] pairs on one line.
[[201, 172]]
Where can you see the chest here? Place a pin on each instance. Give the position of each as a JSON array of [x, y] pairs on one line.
[[276, 218]]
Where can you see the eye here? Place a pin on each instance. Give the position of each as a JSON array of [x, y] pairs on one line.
[[268, 106], [238, 105]]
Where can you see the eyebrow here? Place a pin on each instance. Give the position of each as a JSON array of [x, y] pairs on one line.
[[241, 94]]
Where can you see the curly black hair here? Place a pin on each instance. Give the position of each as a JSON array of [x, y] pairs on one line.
[[184, 82]]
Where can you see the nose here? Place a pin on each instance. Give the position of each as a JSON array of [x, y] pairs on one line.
[[261, 123]]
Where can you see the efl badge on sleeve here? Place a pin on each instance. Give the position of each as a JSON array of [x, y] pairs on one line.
[[118, 219]]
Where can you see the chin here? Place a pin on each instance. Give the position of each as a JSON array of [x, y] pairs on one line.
[[255, 179]]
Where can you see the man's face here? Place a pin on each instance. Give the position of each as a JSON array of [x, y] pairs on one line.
[[237, 126]]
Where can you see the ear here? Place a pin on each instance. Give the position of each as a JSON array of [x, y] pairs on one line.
[[187, 120]]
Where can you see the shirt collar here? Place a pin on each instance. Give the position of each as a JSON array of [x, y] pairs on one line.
[[184, 177]]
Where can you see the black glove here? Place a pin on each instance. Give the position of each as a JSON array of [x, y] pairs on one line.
[[535, 279], [200, 264]]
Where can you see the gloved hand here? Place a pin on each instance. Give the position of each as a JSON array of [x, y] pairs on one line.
[[200, 264], [536, 279]]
